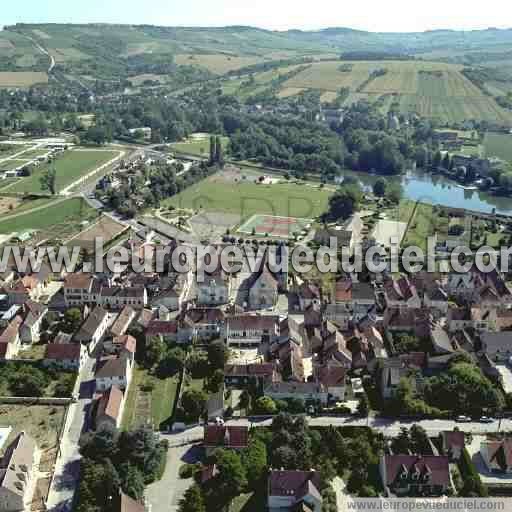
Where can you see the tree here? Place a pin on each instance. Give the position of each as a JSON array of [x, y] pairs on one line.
[[344, 202], [255, 461], [132, 480], [437, 159], [446, 161], [244, 401], [219, 152], [232, 478], [193, 500], [402, 443], [218, 355], [48, 180], [215, 381], [379, 187], [265, 405], [28, 381], [419, 440], [172, 362], [193, 403], [363, 407], [72, 320], [213, 150], [155, 351]]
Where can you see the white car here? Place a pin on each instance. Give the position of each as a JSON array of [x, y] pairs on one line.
[[463, 419]]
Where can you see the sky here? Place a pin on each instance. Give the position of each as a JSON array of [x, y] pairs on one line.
[[373, 15]]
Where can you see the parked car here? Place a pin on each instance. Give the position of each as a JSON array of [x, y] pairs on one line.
[[463, 419], [485, 419]]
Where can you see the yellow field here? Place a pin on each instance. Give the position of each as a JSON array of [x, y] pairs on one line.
[[326, 76], [328, 96], [217, 63], [22, 78], [289, 91]]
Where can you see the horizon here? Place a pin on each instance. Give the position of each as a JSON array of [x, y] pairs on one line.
[[256, 27], [266, 15]]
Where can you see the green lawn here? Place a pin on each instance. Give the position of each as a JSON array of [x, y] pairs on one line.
[[6, 182], [197, 147], [498, 144], [149, 398], [246, 199], [58, 220], [426, 222], [68, 166]]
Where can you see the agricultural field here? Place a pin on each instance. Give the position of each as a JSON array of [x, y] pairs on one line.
[[498, 144], [326, 76], [455, 109], [69, 167], [431, 89], [217, 63], [22, 79], [61, 219], [246, 198]]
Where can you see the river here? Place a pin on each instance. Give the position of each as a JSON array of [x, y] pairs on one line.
[[437, 189]]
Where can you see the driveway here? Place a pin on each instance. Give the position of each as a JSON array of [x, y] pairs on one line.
[[165, 495]]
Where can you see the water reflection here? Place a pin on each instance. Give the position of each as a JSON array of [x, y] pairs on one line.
[[437, 189]]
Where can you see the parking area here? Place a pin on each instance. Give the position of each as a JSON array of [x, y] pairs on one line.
[[171, 486]]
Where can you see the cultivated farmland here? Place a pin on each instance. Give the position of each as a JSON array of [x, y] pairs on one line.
[[431, 89], [22, 78], [217, 63]]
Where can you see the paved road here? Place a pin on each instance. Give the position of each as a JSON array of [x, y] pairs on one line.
[[165, 495], [67, 468]]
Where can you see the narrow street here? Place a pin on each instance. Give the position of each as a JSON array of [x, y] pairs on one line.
[[67, 468]]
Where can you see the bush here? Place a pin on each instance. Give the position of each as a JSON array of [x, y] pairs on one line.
[[189, 470]]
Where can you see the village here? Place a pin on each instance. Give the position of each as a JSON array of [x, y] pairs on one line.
[[242, 348]]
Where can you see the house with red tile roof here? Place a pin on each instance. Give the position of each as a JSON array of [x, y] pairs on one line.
[[415, 475], [109, 410], [166, 329], [70, 356], [250, 331], [294, 490], [240, 375], [232, 438]]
